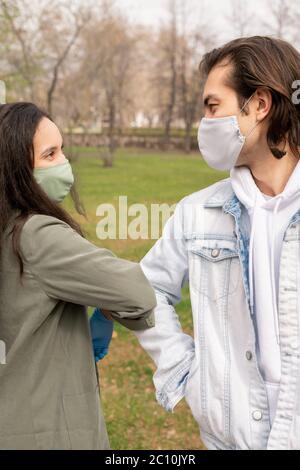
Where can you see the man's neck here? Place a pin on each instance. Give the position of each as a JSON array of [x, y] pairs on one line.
[[271, 174]]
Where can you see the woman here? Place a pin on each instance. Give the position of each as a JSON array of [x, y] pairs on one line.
[[49, 394]]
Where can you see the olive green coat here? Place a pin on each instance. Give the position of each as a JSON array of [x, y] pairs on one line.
[[49, 393]]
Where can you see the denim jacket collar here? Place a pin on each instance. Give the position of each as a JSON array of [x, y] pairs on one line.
[[225, 197]]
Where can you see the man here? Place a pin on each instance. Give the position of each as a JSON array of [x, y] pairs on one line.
[[240, 372]]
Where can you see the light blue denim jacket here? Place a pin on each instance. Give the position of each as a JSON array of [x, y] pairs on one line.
[[205, 244]]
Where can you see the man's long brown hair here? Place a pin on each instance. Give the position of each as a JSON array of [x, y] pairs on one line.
[[262, 61], [19, 191]]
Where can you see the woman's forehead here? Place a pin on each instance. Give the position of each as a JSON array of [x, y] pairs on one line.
[[47, 133]]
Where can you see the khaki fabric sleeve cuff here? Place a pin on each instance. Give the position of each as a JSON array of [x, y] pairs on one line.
[[137, 324]]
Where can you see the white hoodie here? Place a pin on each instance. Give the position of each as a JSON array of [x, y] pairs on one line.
[[269, 217]]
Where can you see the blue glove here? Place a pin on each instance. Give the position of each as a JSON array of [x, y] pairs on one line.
[[102, 330]]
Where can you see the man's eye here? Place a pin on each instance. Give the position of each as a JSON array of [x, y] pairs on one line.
[[211, 106], [51, 154]]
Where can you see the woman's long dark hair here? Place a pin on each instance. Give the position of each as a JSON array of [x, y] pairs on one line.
[[19, 191]]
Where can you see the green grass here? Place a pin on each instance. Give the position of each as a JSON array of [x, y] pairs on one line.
[[134, 418]]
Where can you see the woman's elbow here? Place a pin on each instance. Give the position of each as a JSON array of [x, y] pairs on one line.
[[145, 295]]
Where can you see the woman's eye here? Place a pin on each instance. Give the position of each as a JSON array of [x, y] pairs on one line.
[[51, 155], [211, 106]]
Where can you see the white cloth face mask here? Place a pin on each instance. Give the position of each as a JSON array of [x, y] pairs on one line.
[[220, 140]]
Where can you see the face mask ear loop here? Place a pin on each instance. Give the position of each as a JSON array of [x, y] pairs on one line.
[[256, 124], [245, 104]]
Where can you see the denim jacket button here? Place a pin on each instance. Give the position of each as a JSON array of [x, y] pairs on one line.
[[249, 355], [215, 252], [257, 415]]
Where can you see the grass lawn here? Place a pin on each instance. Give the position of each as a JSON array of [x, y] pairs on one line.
[[134, 418]]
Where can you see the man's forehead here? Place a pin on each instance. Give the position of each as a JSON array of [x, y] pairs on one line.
[[216, 81]]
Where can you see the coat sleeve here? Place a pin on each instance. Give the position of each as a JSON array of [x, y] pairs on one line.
[[172, 350], [70, 268]]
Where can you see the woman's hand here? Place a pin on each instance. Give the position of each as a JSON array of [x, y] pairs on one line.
[[101, 330]]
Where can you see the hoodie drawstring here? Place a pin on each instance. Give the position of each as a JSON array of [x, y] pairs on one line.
[[275, 312], [274, 302], [250, 258]]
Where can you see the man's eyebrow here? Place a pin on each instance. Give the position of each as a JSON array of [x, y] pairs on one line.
[[209, 97]]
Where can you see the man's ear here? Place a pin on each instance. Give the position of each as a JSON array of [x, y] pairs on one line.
[[264, 103]]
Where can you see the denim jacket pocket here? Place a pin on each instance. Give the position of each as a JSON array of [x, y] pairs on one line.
[[215, 267]]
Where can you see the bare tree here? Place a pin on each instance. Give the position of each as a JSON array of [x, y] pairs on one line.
[[108, 55], [18, 49], [144, 106], [61, 54], [165, 74], [192, 44], [240, 18], [41, 36], [281, 19], [189, 87], [171, 49]]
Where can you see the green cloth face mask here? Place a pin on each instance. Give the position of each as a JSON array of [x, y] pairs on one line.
[[55, 180]]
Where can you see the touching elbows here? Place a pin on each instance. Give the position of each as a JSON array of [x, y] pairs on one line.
[[142, 300]]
